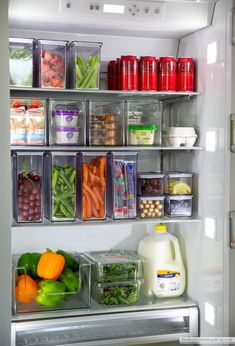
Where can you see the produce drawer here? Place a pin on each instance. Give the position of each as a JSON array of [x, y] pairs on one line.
[[125, 328], [50, 296]]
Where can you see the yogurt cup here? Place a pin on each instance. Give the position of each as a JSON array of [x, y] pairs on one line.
[[66, 135], [65, 118]]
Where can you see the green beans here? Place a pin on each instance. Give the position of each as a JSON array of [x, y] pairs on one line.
[[63, 192]]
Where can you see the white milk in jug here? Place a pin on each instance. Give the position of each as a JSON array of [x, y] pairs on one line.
[[164, 272]]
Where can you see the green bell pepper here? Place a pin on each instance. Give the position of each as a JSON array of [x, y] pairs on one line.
[[27, 264], [70, 280], [50, 293], [70, 261]]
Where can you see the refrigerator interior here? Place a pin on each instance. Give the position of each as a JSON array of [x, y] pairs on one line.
[[203, 239]]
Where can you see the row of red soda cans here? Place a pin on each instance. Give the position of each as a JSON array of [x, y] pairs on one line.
[[150, 74]]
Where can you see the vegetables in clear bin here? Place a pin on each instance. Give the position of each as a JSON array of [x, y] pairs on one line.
[[27, 264], [26, 289], [63, 192], [87, 72], [50, 293], [126, 293], [94, 185], [50, 265], [70, 280], [119, 272], [21, 66]]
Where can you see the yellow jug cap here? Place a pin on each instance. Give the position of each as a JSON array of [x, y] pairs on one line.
[[160, 228]]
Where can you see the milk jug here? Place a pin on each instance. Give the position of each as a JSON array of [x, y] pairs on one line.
[[164, 272]]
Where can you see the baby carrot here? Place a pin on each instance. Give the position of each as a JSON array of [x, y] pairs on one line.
[[92, 195], [85, 173], [98, 194]]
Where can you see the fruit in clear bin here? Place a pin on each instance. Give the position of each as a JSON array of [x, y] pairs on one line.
[[177, 187], [29, 197], [52, 70]]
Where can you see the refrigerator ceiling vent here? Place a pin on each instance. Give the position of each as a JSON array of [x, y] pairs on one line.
[[147, 18]]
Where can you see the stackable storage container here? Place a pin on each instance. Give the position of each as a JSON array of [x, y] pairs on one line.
[[178, 205], [151, 184], [106, 123], [51, 63], [178, 183], [21, 62], [151, 207], [84, 64], [28, 186], [122, 185], [67, 123], [60, 186], [92, 183]]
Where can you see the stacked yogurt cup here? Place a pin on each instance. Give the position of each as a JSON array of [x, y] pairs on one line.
[[65, 125]]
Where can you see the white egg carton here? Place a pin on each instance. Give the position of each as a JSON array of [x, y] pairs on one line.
[[179, 136]]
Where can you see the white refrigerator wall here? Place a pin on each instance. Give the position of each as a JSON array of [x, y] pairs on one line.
[[206, 247]]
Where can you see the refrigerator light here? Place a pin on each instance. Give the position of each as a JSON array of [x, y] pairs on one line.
[[109, 8], [210, 228], [210, 313], [211, 141], [211, 53]]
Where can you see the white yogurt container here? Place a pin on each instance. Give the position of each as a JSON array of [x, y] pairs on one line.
[[65, 118], [66, 135]]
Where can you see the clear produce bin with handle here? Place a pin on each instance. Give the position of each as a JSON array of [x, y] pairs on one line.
[[84, 64], [67, 122], [21, 62], [91, 201], [34, 293], [122, 185], [51, 63], [28, 186], [60, 186]]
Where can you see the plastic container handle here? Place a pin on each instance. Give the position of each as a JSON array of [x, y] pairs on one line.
[[178, 256]]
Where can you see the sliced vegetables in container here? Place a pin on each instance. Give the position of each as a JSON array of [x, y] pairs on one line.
[[60, 186], [85, 64], [91, 203]]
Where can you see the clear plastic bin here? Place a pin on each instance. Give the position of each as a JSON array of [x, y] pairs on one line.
[[116, 293], [144, 123], [91, 171], [60, 186], [67, 122], [28, 187], [114, 266], [177, 183], [84, 64], [51, 66], [151, 207], [106, 123], [178, 205], [150, 184], [122, 185], [21, 62], [28, 121], [78, 299]]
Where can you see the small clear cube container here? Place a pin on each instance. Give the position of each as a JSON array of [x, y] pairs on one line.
[[79, 299], [106, 123], [151, 184], [67, 123], [28, 187], [144, 123], [21, 62], [114, 266], [178, 206], [178, 183], [92, 181], [122, 183], [28, 121], [51, 63], [60, 186], [151, 207], [116, 293], [84, 64]]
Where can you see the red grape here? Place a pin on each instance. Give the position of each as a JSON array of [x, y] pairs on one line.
[[32, 197]]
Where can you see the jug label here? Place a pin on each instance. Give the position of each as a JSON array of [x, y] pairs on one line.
[[167, 281]]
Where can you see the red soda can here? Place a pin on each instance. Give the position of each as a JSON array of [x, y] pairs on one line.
[[129, 73], [148, 73], [118, 73], [167, 74], [112, 75], [185, 74]]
